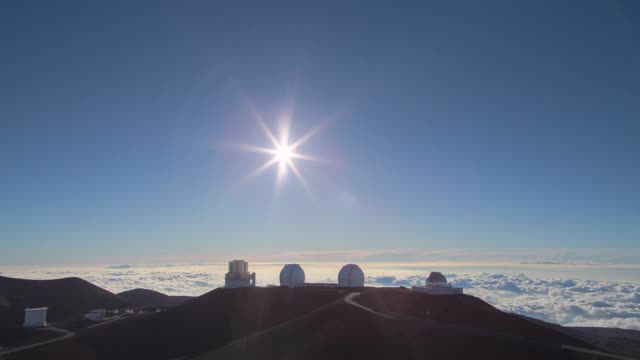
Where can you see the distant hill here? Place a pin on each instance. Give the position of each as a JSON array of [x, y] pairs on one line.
[[145, 297], [317, 323], [66, 298]]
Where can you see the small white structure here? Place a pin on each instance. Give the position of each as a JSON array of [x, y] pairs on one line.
[[436, 284], [239, 276], [292, 275], [351, 276], [96, 315], [35, 317]]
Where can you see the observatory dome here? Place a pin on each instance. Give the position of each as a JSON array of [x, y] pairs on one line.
[[351, 276], [291, 275], [436, 278]]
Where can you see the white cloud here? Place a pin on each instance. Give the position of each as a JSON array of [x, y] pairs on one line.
[[555, 296], [571, 302], [509, 257]]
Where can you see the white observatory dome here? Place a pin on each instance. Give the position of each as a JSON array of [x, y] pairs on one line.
[[351, 276], [436, 278], [291, 275]]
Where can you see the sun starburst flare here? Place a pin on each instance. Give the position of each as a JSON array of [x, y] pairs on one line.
[[283, 152]]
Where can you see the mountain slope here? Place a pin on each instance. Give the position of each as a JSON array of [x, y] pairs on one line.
[[613, 340], [341, 331], [209, 321], [302, 323], [66, 298], [145, 297], [460, 310]]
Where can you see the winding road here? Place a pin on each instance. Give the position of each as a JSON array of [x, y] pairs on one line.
[[65, 335], [349, 299], [594, 352]]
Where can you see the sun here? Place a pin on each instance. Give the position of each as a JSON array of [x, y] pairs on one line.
[[283, 153]]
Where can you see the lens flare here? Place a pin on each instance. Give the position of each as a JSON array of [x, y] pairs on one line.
[[283, 151]]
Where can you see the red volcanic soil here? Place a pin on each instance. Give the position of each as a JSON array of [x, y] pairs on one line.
[[66, 298], [145, 297], [316, 323]]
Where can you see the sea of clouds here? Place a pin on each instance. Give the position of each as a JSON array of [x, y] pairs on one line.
[[555, 298], [569, 302]]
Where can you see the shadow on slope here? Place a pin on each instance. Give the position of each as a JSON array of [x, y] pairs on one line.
[[619, 341], [66, 298], [461, 310], [145, 297], [342, 331], [207, 322], [316, 323]]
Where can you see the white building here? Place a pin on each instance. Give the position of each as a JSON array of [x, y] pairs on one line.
[[292, 275], [35, 317], [351, 276], [96, 315], [239, 276], [436, 284]]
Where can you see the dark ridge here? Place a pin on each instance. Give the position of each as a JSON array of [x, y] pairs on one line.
[[341, 331], [315, 323], [207, 322], [619, 341], [150, 298], [66, 298], [461, 310]]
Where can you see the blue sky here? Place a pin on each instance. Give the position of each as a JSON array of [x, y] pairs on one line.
[[456, 125]]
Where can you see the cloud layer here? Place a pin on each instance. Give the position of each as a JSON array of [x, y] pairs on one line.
[[560, 299], [565, 301]]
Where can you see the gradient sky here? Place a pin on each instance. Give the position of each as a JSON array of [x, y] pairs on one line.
[[456, 125]]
